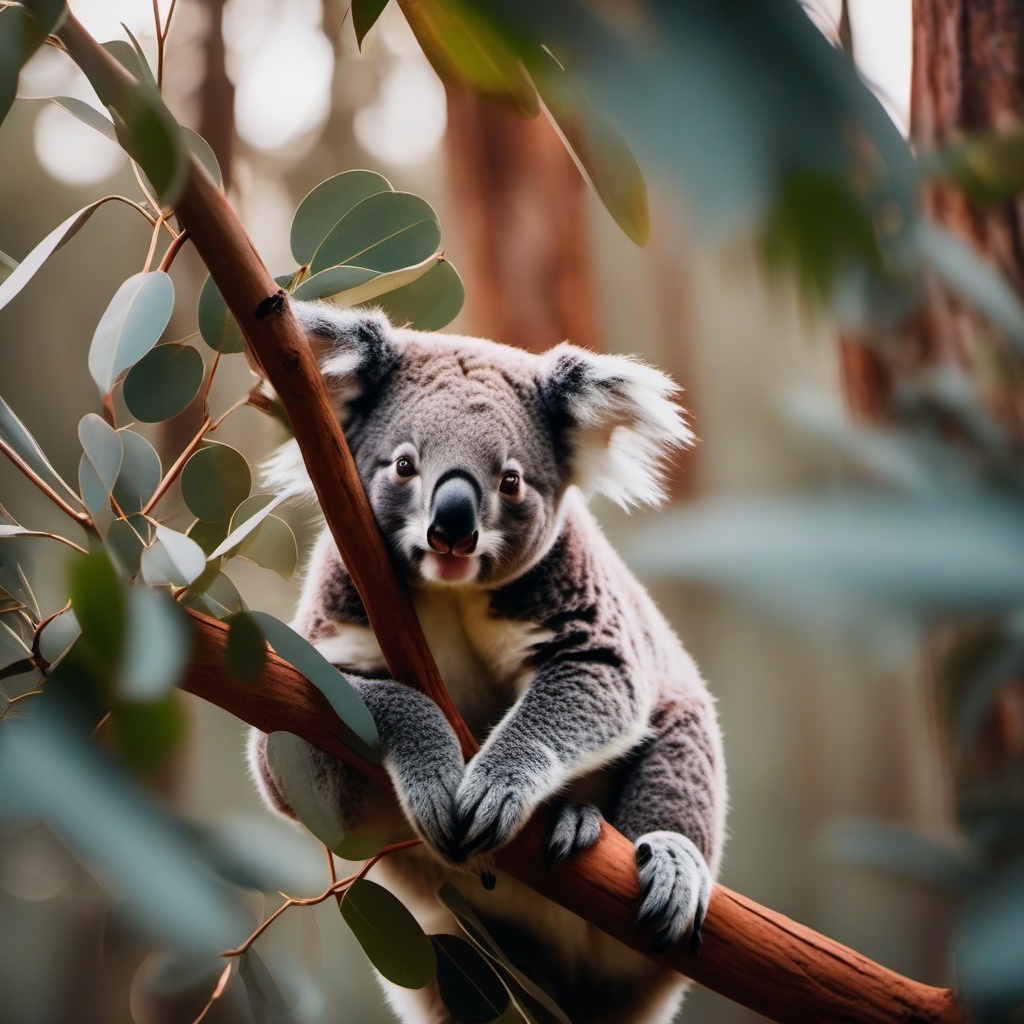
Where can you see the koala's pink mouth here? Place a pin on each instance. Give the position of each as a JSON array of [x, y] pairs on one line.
[[451, 567]]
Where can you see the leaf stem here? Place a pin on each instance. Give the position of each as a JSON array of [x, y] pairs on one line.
[[173, 249], [51, 536], [14, 700], [218, 991], [179, 464], [83, 519], [152, 241], [336, 888]]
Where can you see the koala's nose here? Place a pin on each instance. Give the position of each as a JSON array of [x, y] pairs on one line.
[[455, 522]]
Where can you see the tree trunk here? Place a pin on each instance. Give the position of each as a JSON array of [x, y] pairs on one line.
[[523, 209]]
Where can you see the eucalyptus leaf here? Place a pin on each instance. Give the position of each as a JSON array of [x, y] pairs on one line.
[[245, 519], [364, 16], [334, 280], [387, 231], [469, 51], [209, 535], [140, 473], [102, 446], [126, 539], [100, 603], [148, 734], [429, 303], [217, 327], [273, 547], [94, 495], [266, 1000], [157, 645], [598, 150], [909, 854], [16, 436], [27, 268], [131, 325], [130, 57], [12, 647], [245, 650], [22, 31], [162, 384], [172, 559], [519, 985], [114, 827], [58, 635], [326, 204], [86, 113], [390, 936], [215, 481], [470, 987], [204, 154], [219, 598], [299, 653]]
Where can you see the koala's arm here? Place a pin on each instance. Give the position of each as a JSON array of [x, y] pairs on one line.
[[581, 710], [421, 753]]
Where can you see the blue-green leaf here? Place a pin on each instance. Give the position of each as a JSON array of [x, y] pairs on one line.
[[131, 325], [215, 481], [25, 446], [162, 384], [157, 645], [299, 653], [140, 473], [102, 446], [172, 558]]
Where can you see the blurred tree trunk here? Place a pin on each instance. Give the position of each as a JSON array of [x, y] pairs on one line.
[[522, 209], [968, 79]]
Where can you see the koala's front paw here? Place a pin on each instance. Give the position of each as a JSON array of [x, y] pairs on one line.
[[492, 803], [675, 885], [572, 827], [429, 802]]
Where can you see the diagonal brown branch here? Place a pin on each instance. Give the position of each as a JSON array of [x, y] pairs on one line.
[[752, 955]]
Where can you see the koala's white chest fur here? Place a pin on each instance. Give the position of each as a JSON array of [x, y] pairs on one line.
[[484, 660]]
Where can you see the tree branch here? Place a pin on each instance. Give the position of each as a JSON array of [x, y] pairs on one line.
[[752, 955]]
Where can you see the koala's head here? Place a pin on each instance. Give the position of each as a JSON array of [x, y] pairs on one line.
[[466, 447]]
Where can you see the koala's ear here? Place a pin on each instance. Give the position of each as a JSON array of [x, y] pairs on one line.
[[619, 421], [356, 351]]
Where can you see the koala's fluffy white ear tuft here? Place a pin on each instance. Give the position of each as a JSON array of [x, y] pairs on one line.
[[621, 422], [356, 351]]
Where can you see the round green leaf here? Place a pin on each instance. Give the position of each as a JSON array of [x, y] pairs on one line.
[[390, 936], [126, 539], [388, 231], [245, 652], [215, 481], [130, 326], [217, 326], [208, 535], [333, 280], [244, 520], [470, 987], [172, 559], [301, 654], [157, 646], [147, 734], [327, 204], [101, 608], [163, 382], [428, 303], [140, 473], [58, 635], [219, 597], [102, 446], [273, 547], [94, 495]]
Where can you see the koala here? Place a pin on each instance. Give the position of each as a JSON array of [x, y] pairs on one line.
[[478, 460]]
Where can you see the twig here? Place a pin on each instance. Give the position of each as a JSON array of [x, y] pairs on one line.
[[179, 464], [336, 888], [219, 990], [152, 241], [172, 250], [227, 412], [83, 519]]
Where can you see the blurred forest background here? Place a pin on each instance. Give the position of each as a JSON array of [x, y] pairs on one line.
[[831, 713]]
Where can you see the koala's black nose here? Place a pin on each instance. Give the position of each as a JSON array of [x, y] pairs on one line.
[[455, 523]]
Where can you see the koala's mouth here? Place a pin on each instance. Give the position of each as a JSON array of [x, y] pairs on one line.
[[449, 567]]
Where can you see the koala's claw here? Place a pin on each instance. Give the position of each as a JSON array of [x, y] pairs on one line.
[[675, 886], [572, 827], [487, 813]]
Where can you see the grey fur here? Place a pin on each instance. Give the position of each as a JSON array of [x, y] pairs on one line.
[[581, 694]]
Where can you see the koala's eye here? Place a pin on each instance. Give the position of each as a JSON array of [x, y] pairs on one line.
[[405, 467], [509, 483]]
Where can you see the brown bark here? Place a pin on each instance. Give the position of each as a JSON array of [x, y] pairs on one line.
[[523, 203], [772, 965]]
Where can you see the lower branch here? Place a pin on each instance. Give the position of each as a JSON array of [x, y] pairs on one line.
[[750, 954]]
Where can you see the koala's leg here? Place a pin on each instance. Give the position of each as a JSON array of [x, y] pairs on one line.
[[670, 801]]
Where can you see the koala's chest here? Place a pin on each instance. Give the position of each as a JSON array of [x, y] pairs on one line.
[[483, 660]]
